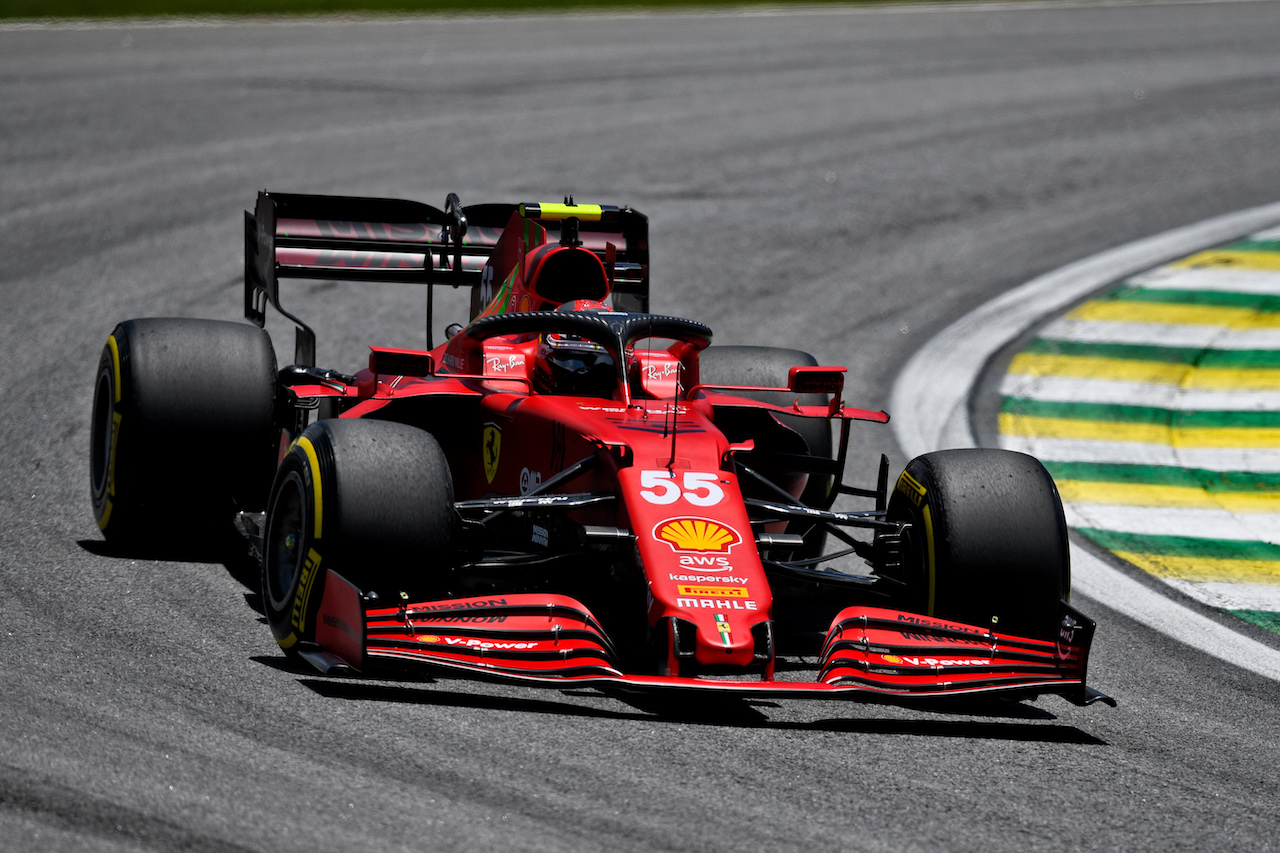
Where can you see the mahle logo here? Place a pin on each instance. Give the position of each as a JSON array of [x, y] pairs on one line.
[[697, 535]]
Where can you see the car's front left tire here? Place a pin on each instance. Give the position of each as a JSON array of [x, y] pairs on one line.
[[372, 500]]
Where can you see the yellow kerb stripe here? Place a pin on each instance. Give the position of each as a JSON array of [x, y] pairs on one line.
[[1026, 425], [1084, 367], [1227, 379], [1148, 372], [310, 451], [1206, 569], [1231, 259], [1011, 424], [1123, 311], [1228, 437]]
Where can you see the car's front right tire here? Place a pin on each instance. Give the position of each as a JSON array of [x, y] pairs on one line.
[[986, 542]]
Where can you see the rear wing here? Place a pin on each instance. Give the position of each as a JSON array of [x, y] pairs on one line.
[[349, 238]]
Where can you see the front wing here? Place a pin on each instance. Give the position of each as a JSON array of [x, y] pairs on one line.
[[871, 653]]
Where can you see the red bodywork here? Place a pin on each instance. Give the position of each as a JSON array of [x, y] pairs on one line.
[[652, 475]]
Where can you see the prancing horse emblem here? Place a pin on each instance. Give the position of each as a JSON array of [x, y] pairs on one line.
[[492, 447]]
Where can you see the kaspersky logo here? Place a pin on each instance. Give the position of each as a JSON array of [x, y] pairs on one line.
[[696, 535]]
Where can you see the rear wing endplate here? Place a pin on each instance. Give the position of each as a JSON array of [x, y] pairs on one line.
[[348, 238]]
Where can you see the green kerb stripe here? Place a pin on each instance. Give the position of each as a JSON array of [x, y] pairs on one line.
[[1229, 359], [1183, 546], [1134, 352], [1118, 413], [1263, 618], [1253, 301], [1164, 475], [1251, 246]]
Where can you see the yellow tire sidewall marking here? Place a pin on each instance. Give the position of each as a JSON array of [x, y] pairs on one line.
[[109, 502], [115, 365], [313, 461], [930, 557], [301, 600]]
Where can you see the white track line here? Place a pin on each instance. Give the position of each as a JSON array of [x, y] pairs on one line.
[[931, 394]]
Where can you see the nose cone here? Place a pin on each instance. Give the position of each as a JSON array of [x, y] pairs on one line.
[[724, 640]]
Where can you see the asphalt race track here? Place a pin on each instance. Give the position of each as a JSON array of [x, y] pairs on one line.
[[845, 181]]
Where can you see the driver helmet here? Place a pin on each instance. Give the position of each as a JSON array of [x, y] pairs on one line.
[[569, 364]]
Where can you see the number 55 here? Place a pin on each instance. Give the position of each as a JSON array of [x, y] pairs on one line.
[[699, 489]]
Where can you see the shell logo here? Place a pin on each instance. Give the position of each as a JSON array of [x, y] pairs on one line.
[[699, 535], [891, 658], [427, 638]]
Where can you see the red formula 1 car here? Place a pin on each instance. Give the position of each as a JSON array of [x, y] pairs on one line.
[[571, 490]]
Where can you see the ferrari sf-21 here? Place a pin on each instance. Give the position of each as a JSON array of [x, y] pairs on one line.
[[570, 489]]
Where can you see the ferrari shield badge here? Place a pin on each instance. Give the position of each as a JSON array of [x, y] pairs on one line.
[[492, 446]]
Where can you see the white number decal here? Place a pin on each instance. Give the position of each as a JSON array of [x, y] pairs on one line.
[[667, 491], [486, 286], [699, 489]]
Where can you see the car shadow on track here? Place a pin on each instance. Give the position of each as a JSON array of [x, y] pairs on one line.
[[1016, 722], [218, 545]]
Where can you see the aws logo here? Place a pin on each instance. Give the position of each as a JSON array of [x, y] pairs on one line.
[[696, 535]]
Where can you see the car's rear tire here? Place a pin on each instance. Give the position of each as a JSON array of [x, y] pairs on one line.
[[183, 428], [987, 543], [770, 366], [372, 500]]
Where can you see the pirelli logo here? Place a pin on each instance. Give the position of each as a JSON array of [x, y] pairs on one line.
[[909, 487], [716, 591], [302, 598]]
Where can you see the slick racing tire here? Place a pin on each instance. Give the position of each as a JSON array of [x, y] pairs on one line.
[[769, 366], [987, 543], [372, 500], [183, 428], [742, 365]]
